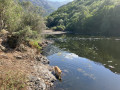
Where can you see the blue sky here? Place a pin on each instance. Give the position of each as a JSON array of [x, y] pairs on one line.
[[60, 0]]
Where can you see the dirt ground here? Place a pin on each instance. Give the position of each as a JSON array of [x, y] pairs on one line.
[[35, 67]]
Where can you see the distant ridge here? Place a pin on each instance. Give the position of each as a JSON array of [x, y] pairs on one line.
[[48, 6]]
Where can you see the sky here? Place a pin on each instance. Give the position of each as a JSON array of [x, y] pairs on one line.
[[60, 0]]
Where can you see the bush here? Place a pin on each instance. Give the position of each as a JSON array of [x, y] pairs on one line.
[[20, 36], [35, 45], [10, 15], [34, 21], [59, 28], [27, 32], [54, 28], [22, 20]]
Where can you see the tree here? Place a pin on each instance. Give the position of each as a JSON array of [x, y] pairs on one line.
[[10, 15], [60, 22], [89, 17]]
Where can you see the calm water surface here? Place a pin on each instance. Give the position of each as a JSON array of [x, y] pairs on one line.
[[87, 63]]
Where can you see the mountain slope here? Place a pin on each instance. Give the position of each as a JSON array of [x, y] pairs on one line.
[[56, 4], [44, 4], [48, 6], [88, 17]]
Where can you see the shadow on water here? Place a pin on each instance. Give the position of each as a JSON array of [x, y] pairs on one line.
[[88, 63]]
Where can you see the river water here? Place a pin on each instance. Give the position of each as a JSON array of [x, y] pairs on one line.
[[87, 63]]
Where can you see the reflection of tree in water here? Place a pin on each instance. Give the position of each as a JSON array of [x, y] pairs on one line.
[[105, 51]]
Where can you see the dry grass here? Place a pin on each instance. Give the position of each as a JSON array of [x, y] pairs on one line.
[[13, 71], [13, 80]]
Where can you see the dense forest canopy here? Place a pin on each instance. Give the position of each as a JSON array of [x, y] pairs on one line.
[[88, 17]]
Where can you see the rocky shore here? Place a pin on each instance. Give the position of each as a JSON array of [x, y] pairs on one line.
[[28, 62]]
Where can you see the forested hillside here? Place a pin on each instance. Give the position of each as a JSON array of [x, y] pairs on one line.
[[47, 6], [44, 4], [88, 17]]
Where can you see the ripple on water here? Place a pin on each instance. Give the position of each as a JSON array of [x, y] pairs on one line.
[[97, 71]]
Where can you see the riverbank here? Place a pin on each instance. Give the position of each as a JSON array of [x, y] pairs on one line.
[[51, 32], [24, 68]]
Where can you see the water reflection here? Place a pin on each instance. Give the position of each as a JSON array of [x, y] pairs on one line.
[[87, 63], [82, 74], [103, 50]]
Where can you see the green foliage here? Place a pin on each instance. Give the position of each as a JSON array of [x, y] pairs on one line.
[[54, 28], [59, 28], [10, 15], [30, 8], [45, 6], [34, 21], [26, 32], [22, 19], [32, 17], [35, 44], [88, 17]]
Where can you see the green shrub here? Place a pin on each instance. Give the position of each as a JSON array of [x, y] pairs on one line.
[[23, 21], [54, 28], [34, 21], [10, 15], [59, 28], [35, 45], [25, 34]]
